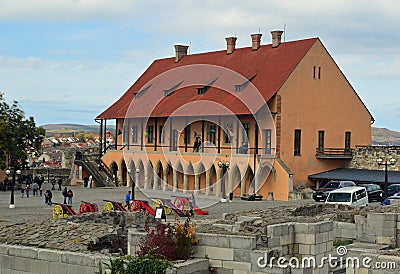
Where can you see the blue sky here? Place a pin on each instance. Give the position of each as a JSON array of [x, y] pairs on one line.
[[65, 61]]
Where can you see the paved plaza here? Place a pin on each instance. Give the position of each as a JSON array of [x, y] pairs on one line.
[[34, 208]]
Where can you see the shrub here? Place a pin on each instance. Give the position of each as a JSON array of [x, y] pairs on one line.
[[159, 241], [144, 264], [185, 239]]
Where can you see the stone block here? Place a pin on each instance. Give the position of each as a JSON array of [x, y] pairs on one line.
[[319, 238], [207, 239], [241, 255], [326, 226], [329, 246], [349, 234], [389, 231], [190, 266], [78, 259], [219, 253], [322, 247], [386, 240], [242, 242], [23, 251], [305, 238], [236, 265], [273, 242], [304, 249], [49, 255], [314, 228], [286, 239], [6, 262], [275, 230], [4, 249], [215, 263], [314, 249], [199, 251], [300, 228]]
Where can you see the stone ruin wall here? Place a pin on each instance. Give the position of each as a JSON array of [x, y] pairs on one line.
[[364, 157]]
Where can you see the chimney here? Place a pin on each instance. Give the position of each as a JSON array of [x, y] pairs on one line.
[[276, 38], [255, 41], [180, 51], [230, 44]]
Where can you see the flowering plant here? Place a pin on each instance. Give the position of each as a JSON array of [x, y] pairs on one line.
[[185, 239]]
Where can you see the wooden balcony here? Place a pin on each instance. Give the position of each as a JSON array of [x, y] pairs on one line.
[[334, 153]]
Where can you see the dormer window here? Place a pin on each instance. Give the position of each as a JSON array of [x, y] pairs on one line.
[[240, 88], [203, 90], [168, 92], [142, 92]]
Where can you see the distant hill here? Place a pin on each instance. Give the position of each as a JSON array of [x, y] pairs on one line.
[[71, 129], [380, 136], [384, 136]]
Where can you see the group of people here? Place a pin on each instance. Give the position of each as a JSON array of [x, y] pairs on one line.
[[67, 194], [36, 187]]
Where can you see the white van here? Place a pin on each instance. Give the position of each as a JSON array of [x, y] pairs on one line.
[[352, 196]]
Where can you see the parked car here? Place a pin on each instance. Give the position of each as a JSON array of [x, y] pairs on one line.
[[374, 192], [393, 189], [322, 193], [352, 196]]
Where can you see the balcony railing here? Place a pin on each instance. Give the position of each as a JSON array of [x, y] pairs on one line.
[[334, 153], [270, 151]]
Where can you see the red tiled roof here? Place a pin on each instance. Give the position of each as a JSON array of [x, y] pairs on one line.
[[270, 66]]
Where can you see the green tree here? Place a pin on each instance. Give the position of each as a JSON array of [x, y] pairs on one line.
[[19, 137]]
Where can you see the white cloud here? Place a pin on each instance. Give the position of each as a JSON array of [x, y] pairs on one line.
[[55, 10]]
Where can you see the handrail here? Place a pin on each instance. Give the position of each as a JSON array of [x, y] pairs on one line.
[[334, 152], [93, 171]]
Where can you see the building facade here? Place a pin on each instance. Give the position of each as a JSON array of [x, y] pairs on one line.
[[275, 113]]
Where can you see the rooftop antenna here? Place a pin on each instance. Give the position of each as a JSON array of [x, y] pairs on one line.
[[190, 45], [259, 31], [284, 32]]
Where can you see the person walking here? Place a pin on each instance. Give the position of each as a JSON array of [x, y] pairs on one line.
[[70, 194], [35, 188], [22, 192], [53, 183], [27, 189], [59, 184], [65, 194], [127, 198], [47, 197]]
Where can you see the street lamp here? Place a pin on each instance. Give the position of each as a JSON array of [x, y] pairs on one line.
[[18, 172], [386, 163], [225, 167]]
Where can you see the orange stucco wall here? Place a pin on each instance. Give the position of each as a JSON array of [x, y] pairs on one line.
[[328, 104]]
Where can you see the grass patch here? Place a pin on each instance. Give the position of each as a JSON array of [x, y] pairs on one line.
[[337, 243]]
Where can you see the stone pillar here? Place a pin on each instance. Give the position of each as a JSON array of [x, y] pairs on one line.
[[256, 183], [119, 177], [137, 180], [164, 180], [185, 183], [243, 186], [230, 181], [128, 179], [196, 183], [217, 186], [174, 180], [156, 180], [208, 178], [146, 177]]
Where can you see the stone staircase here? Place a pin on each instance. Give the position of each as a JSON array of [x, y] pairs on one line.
[[94, 167]]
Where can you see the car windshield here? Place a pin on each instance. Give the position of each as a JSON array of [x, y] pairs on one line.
[[332, 185], [339, 197]]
